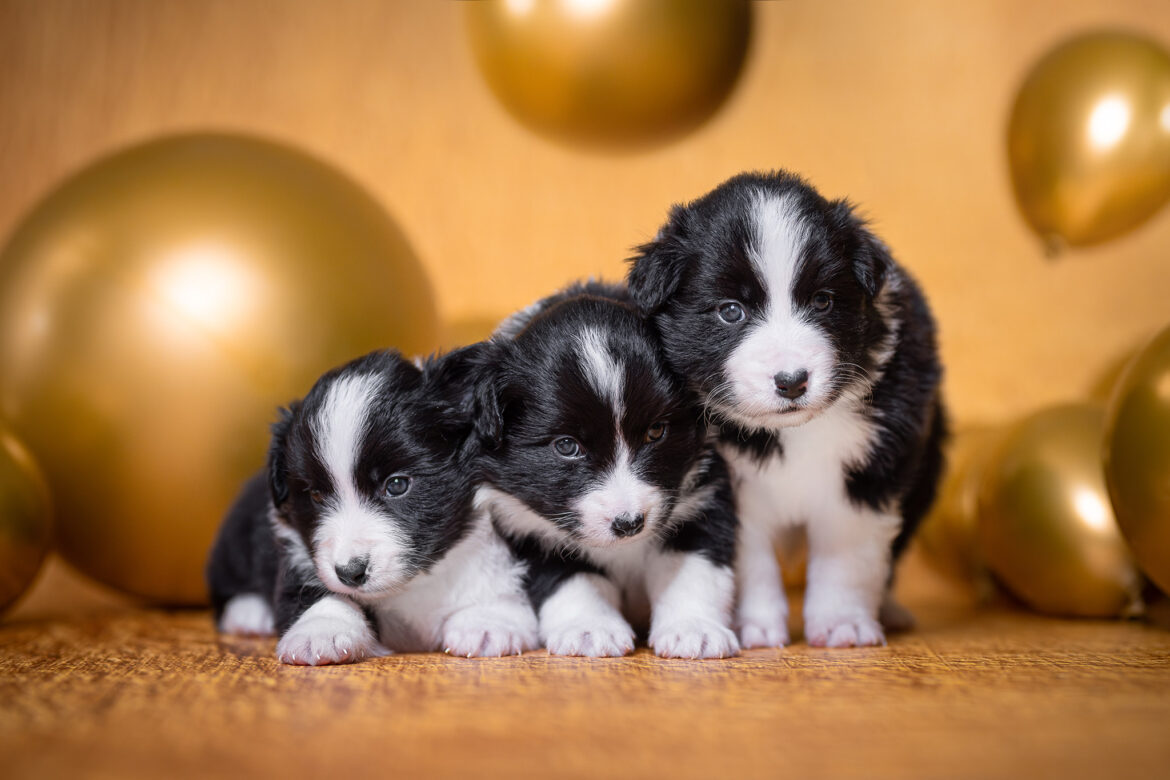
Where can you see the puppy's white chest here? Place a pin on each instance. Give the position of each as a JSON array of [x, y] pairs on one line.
[[808, 479]]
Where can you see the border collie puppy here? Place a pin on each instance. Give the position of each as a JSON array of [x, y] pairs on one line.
[[361, 537], [600, 476], [814, 355]]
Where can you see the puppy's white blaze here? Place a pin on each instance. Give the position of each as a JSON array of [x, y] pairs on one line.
[[779, 242], [340, 426], [603, 373], [780, 338], [350, 527], [621, 491]]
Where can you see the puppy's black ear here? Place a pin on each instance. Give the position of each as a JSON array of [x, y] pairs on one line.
[[657, 269], [451, 378], [487, 407], [278, 455], [871, 258]]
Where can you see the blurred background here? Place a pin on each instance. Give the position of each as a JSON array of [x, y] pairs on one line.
[[903, 106]]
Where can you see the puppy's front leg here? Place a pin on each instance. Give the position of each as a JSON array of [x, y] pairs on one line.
[[848, 566], [582, 617], [334, 630], [488, 613], [762, 607], [690, 602]]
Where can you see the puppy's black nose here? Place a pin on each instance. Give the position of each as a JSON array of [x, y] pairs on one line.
[[791, 385], [354, 572], [626, 524]]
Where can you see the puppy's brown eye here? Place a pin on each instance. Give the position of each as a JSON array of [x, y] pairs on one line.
[[316, 496], [656, 431], [823, 301]]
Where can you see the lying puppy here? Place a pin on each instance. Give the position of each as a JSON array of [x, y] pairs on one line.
[[361, 538], [600, 477], [815, 357]]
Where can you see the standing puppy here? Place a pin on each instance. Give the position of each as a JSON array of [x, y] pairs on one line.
[[601, 478], [361, 537], [815, 357]]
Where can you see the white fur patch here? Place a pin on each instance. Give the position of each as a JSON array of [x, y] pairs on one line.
[[848, 544], [350, 526], [603, 373], [472, 602], [691, 600], [247, 614], [332, 631], [761, 615], [582, 617], [848, 564], [294, 547]]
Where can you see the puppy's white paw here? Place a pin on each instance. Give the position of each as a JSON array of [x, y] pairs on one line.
[[316, 640], [247, 615], [490, 632], [762, 634], [848, 630], [601, 637], [693, 638]]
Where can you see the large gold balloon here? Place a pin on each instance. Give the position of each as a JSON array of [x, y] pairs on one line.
[[612, 72], [948, 535], [1089, 138], [25, 531], [1137, 458], [1046, 529], [157, 307]]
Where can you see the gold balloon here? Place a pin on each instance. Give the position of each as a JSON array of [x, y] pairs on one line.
[[1089, 138], [947, 537], [612, 72], [1046, 529], [156, 308], [25, 530], [1137, 458]]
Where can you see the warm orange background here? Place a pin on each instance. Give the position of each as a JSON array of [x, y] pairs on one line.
[[901, 105]]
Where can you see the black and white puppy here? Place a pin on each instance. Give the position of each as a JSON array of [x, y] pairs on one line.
[[361, 538], [815, 356], [600, 476]]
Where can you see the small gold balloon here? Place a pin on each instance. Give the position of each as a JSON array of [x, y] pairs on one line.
[[1105, 382], [1137, 458], [25, 530], [157, 307], [611, 72], [948, 537], [1089, 138], [1046, 529]]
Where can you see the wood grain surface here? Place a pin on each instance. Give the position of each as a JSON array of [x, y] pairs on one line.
[[139, 693]]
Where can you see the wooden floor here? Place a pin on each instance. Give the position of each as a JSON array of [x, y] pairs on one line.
[[970, 693]]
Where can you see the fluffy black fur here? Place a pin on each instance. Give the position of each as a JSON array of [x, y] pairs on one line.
[[535, 391], [701, 258]]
